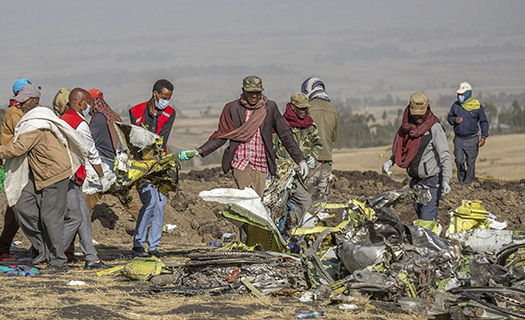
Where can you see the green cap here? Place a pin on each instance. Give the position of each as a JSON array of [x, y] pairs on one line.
[[300, 100], [252, 84]]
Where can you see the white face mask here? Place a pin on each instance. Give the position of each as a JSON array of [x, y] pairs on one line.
[[86, 111], [461, 99], [161, 104]]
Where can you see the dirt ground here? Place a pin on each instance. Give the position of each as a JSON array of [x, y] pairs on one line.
[[115, 297]]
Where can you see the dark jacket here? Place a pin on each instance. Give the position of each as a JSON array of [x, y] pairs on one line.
[[273, 121], [101, 136], [468, 128]]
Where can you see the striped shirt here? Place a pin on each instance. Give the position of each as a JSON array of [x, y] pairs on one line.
[[251, 152]]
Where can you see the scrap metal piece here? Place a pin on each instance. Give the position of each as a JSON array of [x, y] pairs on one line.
[[253, 289], [487, 241], [357, 257]]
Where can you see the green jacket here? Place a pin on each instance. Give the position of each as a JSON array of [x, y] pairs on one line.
[[326, 117], [308, 140]]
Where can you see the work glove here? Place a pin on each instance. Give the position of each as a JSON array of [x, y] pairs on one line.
[[104, 182], [188, 154], [387, 165], [303, 170], [310, 162], [446, 188]]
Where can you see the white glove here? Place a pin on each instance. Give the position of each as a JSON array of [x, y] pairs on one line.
[[303, 170], [446, 188], [387, 165], [105, 183], [310, 162]]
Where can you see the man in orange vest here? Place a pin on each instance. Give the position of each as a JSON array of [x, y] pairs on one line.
[[78, 217], [158, 117]]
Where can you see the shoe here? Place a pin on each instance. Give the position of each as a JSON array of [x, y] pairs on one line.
[[139, 252], [54, 269], [156, 254], [39, 259], [5, 257], [90, 264], [70, 257]]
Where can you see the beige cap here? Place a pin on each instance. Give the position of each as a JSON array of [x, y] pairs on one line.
[[418, 104]]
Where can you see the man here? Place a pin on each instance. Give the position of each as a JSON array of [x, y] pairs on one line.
[[467, 116], [102, 127], [44, 154], [11, 118], [78, 218], [158, 117], [304, 132], [248, 123], [421, 147], [326, 117]]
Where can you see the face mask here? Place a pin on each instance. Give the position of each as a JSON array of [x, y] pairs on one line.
[[86, 111], [461, 99], [161, 104]]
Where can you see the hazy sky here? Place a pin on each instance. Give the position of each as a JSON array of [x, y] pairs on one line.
[[206, 47]]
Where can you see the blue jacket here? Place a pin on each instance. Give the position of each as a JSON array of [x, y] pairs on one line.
[[468, 128]]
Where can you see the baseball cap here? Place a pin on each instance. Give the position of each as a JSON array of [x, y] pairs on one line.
[[20, 83], [464, 87], [95, 93], [418, 103], [252, 84], [26, 92], [300, 100]]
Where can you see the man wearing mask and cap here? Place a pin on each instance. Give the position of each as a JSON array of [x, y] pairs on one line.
[[78, 217], [326, 117], [158, 117], [45, 153], [248, 123], [421, 147], [304, 132], [12, 115], [467, 116]]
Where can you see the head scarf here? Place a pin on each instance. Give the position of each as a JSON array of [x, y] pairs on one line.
[[227, 128], [60, 102], [409, 136], [98, 105], [293, 121], [314, 89]]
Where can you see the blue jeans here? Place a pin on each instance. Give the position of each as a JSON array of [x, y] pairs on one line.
[[429, 211], [153, 204]]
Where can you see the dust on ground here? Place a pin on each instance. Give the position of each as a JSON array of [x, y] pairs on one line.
[[197, 221]]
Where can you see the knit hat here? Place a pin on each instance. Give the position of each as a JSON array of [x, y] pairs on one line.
[[418, 104]]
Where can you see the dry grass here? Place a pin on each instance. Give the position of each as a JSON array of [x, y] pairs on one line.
[[112, 296]]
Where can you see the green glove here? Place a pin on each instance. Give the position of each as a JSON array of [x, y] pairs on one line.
[[188, 154]]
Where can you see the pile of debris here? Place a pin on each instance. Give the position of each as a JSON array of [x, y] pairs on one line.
[[477, 271]]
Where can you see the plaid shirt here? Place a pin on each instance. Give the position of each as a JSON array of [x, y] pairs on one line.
[[251, 152]]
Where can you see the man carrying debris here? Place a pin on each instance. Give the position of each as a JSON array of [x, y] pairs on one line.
[[158, 117], [45, 153], [78, 218], [467, 116], [304, 132], [421, 147], [326, 117], [248, 123], [11, 118]]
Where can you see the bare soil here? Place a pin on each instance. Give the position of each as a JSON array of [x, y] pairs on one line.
[[115, 297]]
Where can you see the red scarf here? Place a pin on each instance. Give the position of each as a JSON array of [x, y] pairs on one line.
[[409, 136], [293, 121], [228, 130], [98, 105]]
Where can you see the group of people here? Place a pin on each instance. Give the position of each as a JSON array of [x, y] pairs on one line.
[[46, 151]]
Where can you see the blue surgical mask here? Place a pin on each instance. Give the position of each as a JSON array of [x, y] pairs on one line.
[[86, 111], [161, 104], [461, 99]]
